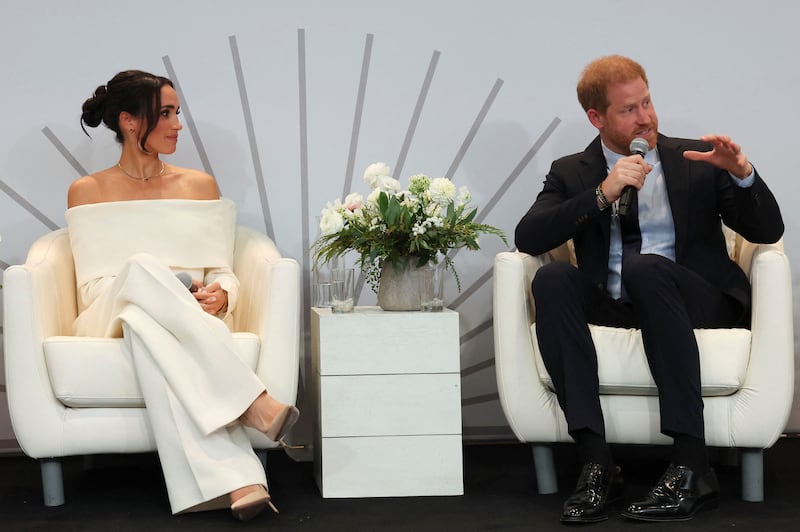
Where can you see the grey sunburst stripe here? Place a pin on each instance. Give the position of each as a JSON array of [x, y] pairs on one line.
[[304, 196], [351, 156], [474, 129], [475, 331], [412, 126], [488, 431], [187, 116], [251, 135], [471, 289], [362, 89], [475, 368], [73, 162], [476, 124], [515, 173], [490, 205], [496, 198], [478, 399], [25, 204]]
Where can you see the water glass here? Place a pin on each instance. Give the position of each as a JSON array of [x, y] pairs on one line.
[[322, 294], [342, 287], [431, 287]]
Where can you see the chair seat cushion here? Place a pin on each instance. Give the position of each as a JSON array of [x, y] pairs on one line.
[[623, 369], [97, 372]]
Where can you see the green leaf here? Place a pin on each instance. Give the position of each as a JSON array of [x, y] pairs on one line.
[[470, 216], [383, 203]]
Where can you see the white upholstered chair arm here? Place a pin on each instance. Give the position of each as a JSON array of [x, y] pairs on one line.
[[39, 302], [269, 306], [525, 401], [766, 397]]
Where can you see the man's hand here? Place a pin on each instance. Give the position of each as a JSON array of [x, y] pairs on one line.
[[629, 171], [725, 154]]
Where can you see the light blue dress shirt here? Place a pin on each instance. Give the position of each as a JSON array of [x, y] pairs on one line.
[[655, 218]]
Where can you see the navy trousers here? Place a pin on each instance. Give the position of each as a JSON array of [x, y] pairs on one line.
[[666, 301]]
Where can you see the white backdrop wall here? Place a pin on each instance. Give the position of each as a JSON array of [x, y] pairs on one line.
[[287, 103]]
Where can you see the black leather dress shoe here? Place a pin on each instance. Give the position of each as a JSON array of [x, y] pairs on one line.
[[597, 486], [677, 496]]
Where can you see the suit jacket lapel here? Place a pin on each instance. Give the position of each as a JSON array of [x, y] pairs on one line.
[[676, 176]]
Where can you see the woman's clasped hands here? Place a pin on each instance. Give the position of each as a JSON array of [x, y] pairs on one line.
[[212, 298]]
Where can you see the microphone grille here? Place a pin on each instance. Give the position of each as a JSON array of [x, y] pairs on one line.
[[185, 278], [639, 146]]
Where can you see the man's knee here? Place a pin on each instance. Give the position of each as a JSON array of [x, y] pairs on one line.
[[641, 271], [648, 275], [551, 279]]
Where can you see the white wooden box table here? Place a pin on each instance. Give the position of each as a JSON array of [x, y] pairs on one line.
[[388, 394]]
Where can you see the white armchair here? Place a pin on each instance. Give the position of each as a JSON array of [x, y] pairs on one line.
[[747, 375], [72, 395]]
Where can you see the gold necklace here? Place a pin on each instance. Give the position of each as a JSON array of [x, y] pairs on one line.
[[145, 179]]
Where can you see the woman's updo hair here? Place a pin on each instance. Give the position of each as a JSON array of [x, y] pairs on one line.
[[131, 91]]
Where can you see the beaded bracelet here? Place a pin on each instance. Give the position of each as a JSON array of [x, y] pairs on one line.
[[604, 204]]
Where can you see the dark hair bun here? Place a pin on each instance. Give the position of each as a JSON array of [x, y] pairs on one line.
[[135, 92], [94, 107]]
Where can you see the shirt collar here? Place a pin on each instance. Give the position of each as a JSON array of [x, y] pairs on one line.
[[651, 157]]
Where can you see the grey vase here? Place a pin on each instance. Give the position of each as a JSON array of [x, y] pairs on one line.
[[399, 288]]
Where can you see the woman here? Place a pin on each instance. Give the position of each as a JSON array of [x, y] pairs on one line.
[[136, 229]]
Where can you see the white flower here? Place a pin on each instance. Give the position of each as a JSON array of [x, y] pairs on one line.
[[331, 220], [387, 184], [420, 228], [432, 209], [409, 200], [442, 191], [353, 201], [418, 183], [374, 171], [372, 200], [464, 196]]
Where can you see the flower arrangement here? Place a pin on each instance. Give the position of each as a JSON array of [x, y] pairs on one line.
[[391, 225]]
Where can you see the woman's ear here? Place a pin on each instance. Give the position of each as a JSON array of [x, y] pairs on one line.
[[128, 123]]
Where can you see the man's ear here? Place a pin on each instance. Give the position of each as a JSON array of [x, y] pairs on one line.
[[595, 118]]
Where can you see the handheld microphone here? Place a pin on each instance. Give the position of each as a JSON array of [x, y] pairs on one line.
[[638, 146], [186, 279]]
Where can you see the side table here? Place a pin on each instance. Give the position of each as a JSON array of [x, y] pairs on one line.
[[388, 393]]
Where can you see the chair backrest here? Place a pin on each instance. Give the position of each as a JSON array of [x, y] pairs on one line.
[[53, 253], [739, 250]]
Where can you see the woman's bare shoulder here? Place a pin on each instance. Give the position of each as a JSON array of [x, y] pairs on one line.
[[84, 190], [200, 185]]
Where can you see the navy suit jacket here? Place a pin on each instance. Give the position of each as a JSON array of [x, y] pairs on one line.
[[700, 196]]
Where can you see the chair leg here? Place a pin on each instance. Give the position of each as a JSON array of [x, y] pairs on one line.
[[753, 475], [545, 469], [52, 482]]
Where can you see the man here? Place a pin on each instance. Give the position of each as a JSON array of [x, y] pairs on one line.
[[663, 268]]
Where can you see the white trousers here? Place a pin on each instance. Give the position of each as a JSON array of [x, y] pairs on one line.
[[194, 384]]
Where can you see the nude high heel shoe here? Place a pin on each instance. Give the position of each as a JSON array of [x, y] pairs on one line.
[[247, 507], [282, 422]]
